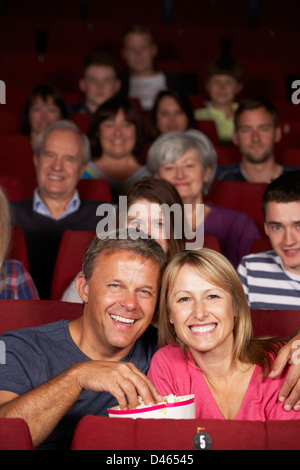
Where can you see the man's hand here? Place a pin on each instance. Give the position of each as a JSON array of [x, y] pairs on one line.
[[121, 379], [290, 391]]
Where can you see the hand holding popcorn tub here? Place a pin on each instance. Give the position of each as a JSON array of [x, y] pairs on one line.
[[172, 406]]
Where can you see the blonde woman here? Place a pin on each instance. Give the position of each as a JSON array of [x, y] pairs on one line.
[[15, 281], [206, 341]]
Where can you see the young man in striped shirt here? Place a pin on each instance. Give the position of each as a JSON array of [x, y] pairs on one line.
[[271, 279]]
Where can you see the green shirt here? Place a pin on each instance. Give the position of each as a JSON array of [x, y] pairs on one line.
[[224, 125]]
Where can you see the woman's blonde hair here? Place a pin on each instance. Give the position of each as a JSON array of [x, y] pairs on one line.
[[5, 226], [216, 269]]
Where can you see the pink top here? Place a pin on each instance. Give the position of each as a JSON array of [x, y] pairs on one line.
[[172, 373]]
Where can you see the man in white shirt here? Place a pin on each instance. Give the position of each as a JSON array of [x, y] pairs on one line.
[[61, 155], [143, 82]]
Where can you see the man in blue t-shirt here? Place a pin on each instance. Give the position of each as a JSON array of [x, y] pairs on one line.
[[57, 373]]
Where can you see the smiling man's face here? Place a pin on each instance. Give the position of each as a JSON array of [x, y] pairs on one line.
[[120, 301], [59, 165]]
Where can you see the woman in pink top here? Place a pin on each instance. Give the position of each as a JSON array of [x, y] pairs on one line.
[[207, 346]]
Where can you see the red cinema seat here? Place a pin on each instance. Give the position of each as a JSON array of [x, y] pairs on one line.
[[260, 245], [291, 155], [227, 154], [82, 120], [210, 241], [280, 323], [15, 314], [240, 195], [17, 247], [17, 34], [283, 435], [14, 434], [9, 124], [290, 134], [69, 258], [16, 156], [209, 129], [197, 101], [102, 433], [17, 188], [98, 189]]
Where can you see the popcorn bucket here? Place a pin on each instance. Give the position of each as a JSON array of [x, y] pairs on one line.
[[172, 408]]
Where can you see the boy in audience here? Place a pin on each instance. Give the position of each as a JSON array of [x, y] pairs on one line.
[[223, 82], [98, 83], [271, 279], [141, 80]]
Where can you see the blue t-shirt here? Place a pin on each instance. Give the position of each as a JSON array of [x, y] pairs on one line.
[[35, 355]]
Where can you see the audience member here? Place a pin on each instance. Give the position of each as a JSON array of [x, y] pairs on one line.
[[98, 83], [65, 370], [188, 160], [256, 132], [172, 111], [147, 209], [141, 79], [15, 281], [223, 82], [271, 279], [43, 107], [207, 344], [117, 136], [60, 157]]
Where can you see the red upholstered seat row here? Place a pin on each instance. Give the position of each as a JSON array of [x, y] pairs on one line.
[[102, 433], [96, 432], [16, 314]]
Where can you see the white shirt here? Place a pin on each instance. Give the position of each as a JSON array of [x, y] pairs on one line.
[[145, 89], [40, 207]]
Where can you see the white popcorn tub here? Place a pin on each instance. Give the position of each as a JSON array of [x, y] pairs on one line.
[[183, 409]]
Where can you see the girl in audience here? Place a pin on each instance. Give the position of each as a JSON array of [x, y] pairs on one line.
[[146, 209], [207, 346], [43, 106], [117, 136], [188, 160], [15, 281]]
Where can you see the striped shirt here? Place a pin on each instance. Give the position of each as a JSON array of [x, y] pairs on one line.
[[267, 284]]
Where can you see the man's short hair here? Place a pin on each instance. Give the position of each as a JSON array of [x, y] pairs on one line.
[[99, 59], [128, 239], [65, 125], [286, 188], [252, 104], [225, 66], [138, 29]]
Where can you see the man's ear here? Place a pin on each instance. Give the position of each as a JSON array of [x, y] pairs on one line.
[[82, 287]]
